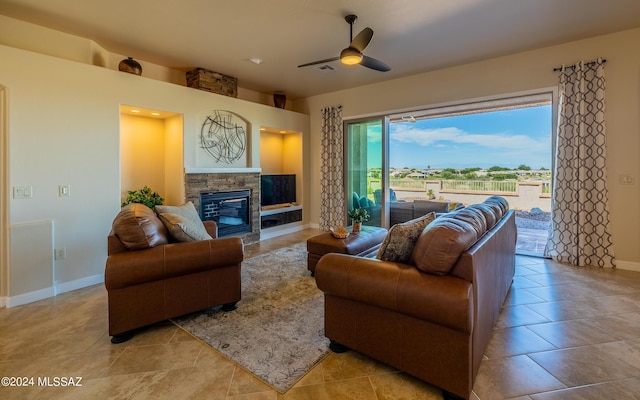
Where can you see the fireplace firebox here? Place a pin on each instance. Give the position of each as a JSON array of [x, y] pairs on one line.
[[231, 210]]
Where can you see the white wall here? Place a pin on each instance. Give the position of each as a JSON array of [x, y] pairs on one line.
[[516, 73], [63, 126]]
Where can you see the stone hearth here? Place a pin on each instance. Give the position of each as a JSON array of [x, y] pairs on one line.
[[195, 183]]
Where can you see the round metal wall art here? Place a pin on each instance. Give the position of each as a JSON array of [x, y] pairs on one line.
[[223, 136]]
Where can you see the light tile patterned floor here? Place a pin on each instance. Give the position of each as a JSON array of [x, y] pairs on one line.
[[564, 333]]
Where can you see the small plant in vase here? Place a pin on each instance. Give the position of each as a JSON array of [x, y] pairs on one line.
[[145, 196], [358, 216]]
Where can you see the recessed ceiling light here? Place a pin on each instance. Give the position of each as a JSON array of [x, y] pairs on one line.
[[283, 131], [135, 111], [155, 114], [256, 60]]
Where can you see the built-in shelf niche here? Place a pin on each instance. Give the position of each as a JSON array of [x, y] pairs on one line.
[[281, 153], [151, 152]]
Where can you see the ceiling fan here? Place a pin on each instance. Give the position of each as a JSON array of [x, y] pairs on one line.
[[352, 55]]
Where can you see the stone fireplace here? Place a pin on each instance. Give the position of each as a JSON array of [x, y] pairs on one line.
[[201, 183]]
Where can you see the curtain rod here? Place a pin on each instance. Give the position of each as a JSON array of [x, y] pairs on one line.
[[574, 65]]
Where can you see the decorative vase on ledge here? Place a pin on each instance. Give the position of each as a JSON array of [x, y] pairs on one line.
[[356, 227], [279, 100], [131, 66]]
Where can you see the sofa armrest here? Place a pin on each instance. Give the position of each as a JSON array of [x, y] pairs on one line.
[[176, 259], [444, 300], [211, 227]]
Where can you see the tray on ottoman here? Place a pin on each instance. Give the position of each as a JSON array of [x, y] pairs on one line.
[[364, 243]]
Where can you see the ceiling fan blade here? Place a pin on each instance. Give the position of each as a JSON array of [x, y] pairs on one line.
[[372, 63], [362, 39], [319, 62]]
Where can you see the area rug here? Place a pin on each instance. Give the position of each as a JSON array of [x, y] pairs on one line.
[[277, 332]]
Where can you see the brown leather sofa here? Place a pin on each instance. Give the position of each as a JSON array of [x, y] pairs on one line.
[[150, 278], [432, 316]]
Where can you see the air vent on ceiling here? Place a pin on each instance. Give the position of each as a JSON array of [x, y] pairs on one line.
[[325, 68]]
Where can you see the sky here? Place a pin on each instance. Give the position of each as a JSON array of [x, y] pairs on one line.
[[506, 138]]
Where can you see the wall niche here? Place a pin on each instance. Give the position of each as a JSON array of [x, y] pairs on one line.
[[281, 153], [151, 152]]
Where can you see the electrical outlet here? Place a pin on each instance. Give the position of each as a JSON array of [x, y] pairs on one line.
[[60, 254]]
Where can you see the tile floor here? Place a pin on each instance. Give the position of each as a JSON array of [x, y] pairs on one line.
[[564, 333]]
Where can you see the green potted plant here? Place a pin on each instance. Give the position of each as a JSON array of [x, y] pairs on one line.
[[145, 196], [358, 216]]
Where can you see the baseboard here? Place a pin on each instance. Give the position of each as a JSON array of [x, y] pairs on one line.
[[3, 302], [26, 298], [628, 265], [79, 283]]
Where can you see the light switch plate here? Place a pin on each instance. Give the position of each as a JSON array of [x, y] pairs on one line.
[[626, 179], [64, 190], [23, 192]]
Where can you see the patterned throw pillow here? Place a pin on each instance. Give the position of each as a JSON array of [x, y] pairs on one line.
[[183, 222], [398, 245]]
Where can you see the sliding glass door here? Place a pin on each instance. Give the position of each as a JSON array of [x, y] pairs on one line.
[[366, 170]]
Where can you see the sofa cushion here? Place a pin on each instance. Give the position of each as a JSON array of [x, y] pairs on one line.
[[398, 244], [138, 227], [500, 201], [440, 244], [422, 207], [496, 208], [490, 214], [183, 222], [474, 217], [365, 202]]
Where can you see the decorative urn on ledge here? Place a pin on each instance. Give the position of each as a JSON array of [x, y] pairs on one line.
[[279, 100], [131, 66]]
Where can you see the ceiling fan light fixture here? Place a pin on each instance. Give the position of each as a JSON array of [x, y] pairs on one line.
[[350, 56]]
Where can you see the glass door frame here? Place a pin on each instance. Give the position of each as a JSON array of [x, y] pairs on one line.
[[384, 178]]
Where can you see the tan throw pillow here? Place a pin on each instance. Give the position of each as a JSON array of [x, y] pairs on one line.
[[440, 245], [183, 222], [138, 227], [398, 244]]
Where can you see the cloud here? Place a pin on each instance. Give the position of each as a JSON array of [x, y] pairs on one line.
[[455, 136]]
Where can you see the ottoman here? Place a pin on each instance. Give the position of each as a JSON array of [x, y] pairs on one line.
[[364, 243]]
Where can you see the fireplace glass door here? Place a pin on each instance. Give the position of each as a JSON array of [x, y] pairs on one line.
[[231, 210]]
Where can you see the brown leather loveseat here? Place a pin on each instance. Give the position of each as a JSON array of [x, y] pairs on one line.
[[432, 313], [151, 277]]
